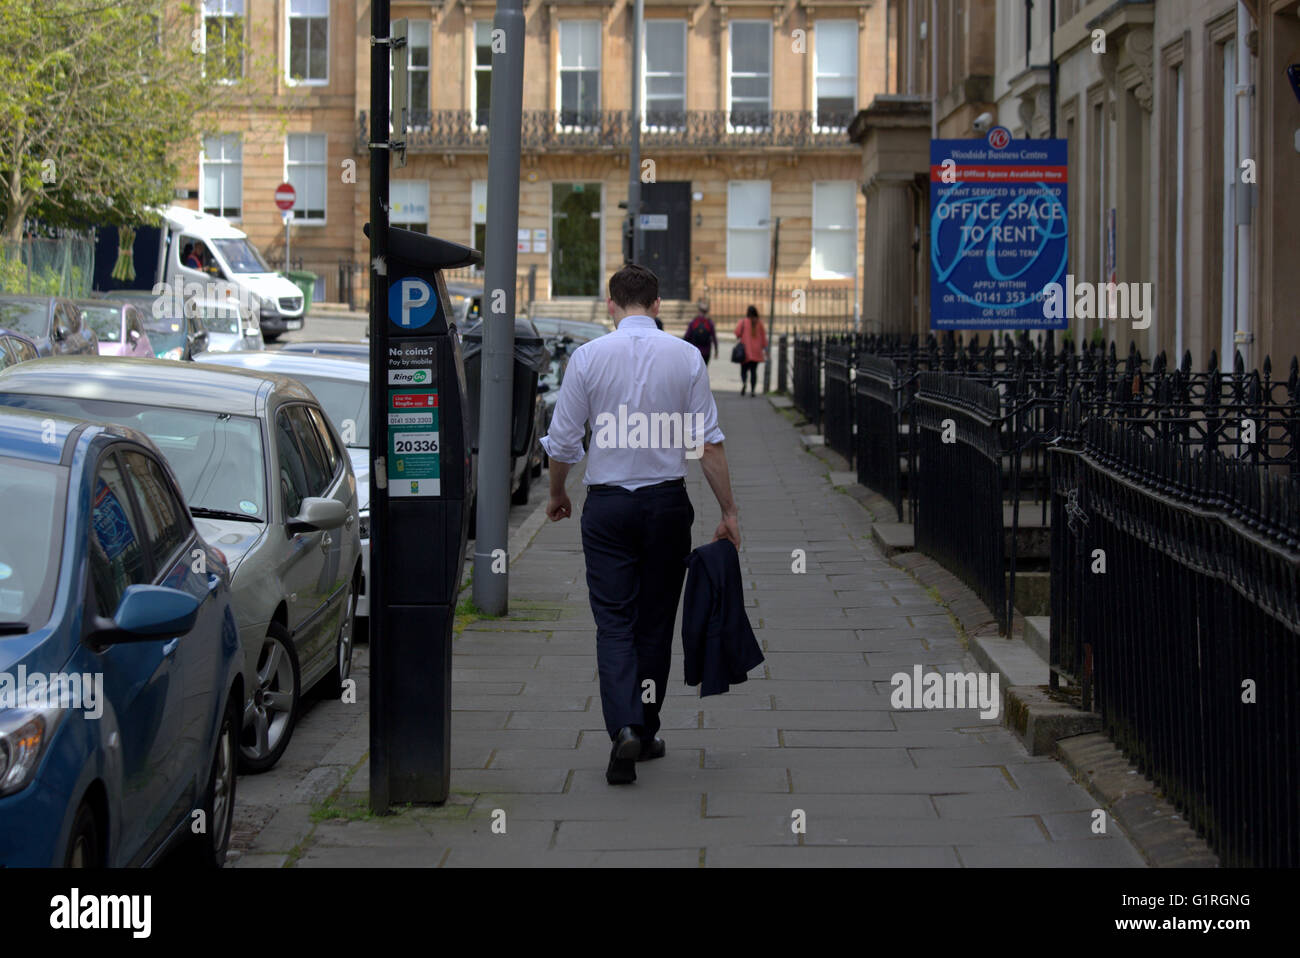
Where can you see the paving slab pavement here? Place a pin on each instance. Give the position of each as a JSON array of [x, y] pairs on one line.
[[806, 764]]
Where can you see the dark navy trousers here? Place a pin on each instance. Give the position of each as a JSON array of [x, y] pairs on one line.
[[635, 545]]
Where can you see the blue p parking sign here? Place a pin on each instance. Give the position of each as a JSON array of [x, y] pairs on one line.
[[412, 303]]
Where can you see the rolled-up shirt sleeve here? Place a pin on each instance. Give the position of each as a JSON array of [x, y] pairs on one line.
[[563, 441], [703, 409]]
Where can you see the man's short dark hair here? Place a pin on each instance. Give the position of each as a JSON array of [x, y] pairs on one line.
[[633, 286]]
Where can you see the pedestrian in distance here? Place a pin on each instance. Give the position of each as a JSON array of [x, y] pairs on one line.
[[751, 332], [636, 520], [701, 332]]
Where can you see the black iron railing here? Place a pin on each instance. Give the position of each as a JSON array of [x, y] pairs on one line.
[[1172, 500], [882, 398], [958, 469], [691, 129], [838, 406], [1175, 605], [806, 377]]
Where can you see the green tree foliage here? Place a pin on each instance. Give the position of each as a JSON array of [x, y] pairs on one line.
[[100, 100]]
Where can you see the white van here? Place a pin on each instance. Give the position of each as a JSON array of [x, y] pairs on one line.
[[198, 248]]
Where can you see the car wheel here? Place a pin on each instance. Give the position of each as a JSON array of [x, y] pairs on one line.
[[333, 686], [219, 797], [85, 847], [268, 726], [520, 496], [269, 337]]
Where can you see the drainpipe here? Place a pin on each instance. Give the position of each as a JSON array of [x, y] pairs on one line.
[[1244, 338], [932, 47], [1052, 73], [911, 48]]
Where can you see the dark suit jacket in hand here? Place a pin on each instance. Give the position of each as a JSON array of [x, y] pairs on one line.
[[717, 639]]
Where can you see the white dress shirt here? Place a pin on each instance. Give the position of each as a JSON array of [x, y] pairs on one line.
[[646, 394]]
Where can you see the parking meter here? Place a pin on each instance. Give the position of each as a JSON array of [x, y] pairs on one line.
[[419, 506]]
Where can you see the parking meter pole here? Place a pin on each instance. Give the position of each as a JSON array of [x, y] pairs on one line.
[[491, 579], [380, 723]]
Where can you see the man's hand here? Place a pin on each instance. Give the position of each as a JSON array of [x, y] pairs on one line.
[[729, 528], [559, 507]]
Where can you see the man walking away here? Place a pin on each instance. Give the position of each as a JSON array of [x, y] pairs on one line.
[[636, 522], [701, 333]]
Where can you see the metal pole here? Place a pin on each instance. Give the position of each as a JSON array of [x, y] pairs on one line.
[[771, 305], [288, 216], [634, 152], [1053, 72], [380, 733], [492, 587]]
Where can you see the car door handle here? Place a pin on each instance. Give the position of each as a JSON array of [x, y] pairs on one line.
[[169, 649], [214, 580]]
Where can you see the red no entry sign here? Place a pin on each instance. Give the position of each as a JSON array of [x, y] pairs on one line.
[[285, 196]]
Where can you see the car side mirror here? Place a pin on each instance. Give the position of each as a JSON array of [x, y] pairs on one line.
[[318, 513], [147, 612]]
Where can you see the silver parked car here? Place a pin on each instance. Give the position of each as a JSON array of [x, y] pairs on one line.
[[343, 388], [269, 485]]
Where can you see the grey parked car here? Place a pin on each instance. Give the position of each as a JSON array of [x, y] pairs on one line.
[[268, 483], [343, 388], [54, 325]]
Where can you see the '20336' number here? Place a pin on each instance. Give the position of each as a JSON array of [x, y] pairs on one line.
[[416, 442]]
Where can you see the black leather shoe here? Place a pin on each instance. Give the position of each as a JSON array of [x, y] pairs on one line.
[[652, 748], [622, 757]]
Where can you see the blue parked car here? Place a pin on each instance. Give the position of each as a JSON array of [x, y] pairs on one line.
[[109, 596]]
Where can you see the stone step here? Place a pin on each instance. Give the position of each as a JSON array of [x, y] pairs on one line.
[[1038, 635]]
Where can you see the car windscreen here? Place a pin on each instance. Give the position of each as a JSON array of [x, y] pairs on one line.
[[166, 336], [106, 321], [31, 542], [219, 319], [241, 256], [217, 457], [347, 403], [29, 318]]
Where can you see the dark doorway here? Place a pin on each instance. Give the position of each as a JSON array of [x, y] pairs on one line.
[[666, 236], [575, 232]]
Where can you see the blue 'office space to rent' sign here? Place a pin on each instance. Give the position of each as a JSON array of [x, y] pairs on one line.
[[998, 231]]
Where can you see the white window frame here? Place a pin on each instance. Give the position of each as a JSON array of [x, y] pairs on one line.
[[225, 162], [399, 217], [475, 69], [732, 75], [477, 190], [819, 72], [732, 207], [288, 46], [560, 70], [646, 74], [224, 13], [323, 164], [826, 231], [411, 69]]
